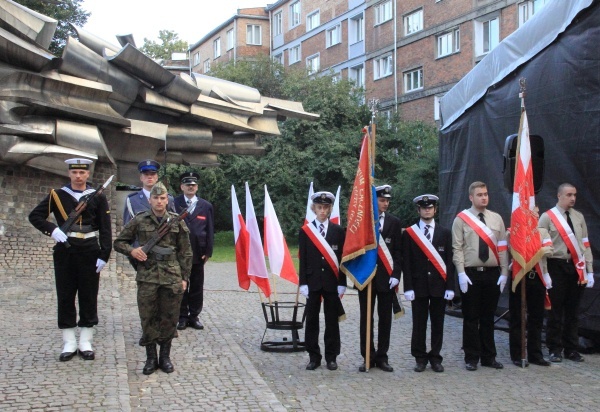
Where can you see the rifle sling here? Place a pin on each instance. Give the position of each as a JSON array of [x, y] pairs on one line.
[[59, 205]]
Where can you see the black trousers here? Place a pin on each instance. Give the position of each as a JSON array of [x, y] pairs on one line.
[[384, 327], [478, 308], [75, 276], [193, 297], [565, 294], [331, 302], [535, 293], [422, 309]]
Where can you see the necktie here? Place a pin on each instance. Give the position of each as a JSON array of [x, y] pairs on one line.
[[569, 222], [427, 234], [189, 202], [484, 250], [322, 229]]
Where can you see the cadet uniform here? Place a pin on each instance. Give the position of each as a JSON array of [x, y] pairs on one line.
[[159, 280], [76, 268]]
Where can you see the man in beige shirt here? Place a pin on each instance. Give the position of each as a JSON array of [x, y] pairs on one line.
[[570, 268], [481, 260]]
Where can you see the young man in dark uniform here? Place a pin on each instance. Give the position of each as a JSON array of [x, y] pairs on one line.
[[77, 266], [321, 243], [200, 222]]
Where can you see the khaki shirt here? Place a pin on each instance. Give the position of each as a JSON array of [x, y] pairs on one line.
[[465, 243], [143, 226], [580, 231]]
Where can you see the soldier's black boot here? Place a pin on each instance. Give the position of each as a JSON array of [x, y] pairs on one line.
[[165, 361], [151, 359]]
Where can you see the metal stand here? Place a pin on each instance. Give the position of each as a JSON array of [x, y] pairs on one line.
[[272, 313]]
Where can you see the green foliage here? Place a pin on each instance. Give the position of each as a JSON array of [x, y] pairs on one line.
[[169, 44], [65, 11]]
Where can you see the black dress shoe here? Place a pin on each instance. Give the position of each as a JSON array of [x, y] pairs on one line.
[[196, 324], [420, 367], [519, 363], [332, 365], [312, 365], [574, 356], [66, 356], [363, 367], [470, 366], [384, 366], [182, 324], [540, 362], [437, 367], [555, 358], [87, 354], [493, 364]]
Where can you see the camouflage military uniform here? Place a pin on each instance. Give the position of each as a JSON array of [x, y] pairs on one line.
[[159, 278]]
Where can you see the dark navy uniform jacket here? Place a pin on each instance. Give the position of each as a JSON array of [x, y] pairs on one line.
[[201, 225]]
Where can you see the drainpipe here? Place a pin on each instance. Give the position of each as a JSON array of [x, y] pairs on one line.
[[395, 56]]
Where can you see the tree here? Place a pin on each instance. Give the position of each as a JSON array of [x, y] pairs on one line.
[[65, 11], [169, 44]]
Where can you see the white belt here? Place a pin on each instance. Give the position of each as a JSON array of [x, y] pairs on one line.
[[80, 235]]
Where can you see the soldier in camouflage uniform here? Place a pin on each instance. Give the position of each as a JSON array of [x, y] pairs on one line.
[[162, 276]]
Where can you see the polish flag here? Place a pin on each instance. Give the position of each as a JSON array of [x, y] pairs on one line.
[[241, 242], [335, 212], [280, 260], [310, 215], [257, 268]]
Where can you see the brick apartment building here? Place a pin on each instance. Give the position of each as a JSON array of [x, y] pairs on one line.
[[404, 53]]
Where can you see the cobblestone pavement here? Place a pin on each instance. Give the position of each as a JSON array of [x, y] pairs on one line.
[[222, 367]]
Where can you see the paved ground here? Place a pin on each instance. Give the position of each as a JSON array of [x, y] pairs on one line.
[[222, 367]]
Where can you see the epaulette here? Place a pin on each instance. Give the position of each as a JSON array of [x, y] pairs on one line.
[[132, 194]]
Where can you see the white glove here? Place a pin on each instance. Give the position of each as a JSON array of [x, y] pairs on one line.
[[502, 282], [59, 235], [393, 282], [590, 279], [341, 291], [449, 295], [464, 282], [409, 295], [304, 290], [547, 280], [100, 265]]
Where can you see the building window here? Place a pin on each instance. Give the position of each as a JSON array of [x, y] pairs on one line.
[[277, 24], [382, 67], [253, 34], [294, 54], [448, 43], [487, 35], [217, 47], [528, 8], [413, 22], [383, 12], [295, 14], [313, 63], [313, 20], [357, 29], [413, 80], [230, 39], [336, 78], [206, 68], [278, 58], [334, 35], [436, 107], [386, 116], [196, 58], [357, 73]]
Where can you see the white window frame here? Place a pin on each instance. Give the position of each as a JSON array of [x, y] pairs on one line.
[[409, 80], [230, 39], [313, 63], [491, 30], [358, 28], [196, 58], [357, 73], [253, 38], [278, 58], [529, 8], [413, 22], [294, 54], [383, 67], [206, 66], [384, 12], [217, 47], [278, 23], [333, 36], [447, 43], [295, 14], [313, 20]]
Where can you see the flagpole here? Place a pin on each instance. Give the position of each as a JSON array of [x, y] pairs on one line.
[[523, 280]]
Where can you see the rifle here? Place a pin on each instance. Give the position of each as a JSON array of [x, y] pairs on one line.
[[81, 206]]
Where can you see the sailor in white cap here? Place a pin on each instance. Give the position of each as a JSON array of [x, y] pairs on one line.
[[321, 243], [78, 262], [428, 281]]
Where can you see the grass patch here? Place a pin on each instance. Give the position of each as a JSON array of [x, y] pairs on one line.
[[224, 249]]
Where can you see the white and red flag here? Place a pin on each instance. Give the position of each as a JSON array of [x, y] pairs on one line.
[[257, 268], [241, 242], [280, 260], [335, 211], [525, 242], [310, 215]]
